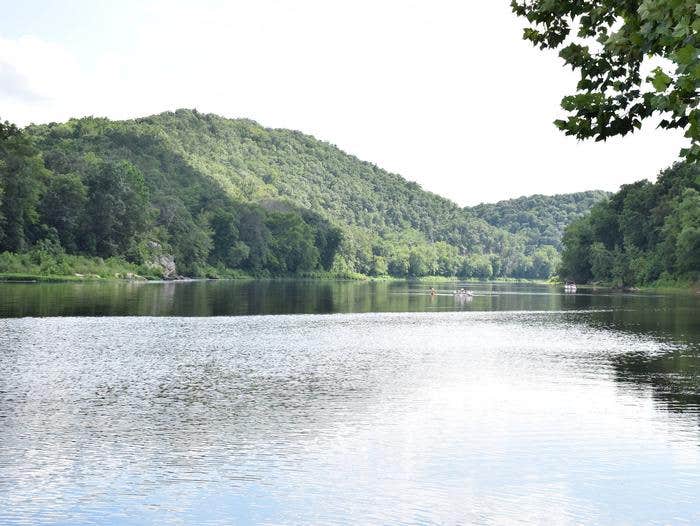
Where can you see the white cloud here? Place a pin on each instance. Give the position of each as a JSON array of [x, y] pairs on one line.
[[445, 93], [35, 77]]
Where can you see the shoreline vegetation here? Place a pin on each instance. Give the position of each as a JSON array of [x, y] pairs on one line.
[[115, 270], [49, 263], [190, 194], [125, 272], [6, 277], [186, 194], [645, 235]]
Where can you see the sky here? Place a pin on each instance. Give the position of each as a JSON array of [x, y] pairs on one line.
[[443, 92]]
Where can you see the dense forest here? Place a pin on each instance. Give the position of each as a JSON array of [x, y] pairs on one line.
[[540, 218], [646, 233], [200, 195]]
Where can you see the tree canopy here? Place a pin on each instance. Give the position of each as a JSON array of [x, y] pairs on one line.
[[644, 233], [219, 194], [609, 42], [540, 218]]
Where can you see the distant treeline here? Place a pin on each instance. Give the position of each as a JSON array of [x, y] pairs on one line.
[[646, 233], [542, 219], [219, 196]]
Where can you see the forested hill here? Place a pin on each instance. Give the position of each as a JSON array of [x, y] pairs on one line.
[[220, 194], [541, 218], [645, 233]]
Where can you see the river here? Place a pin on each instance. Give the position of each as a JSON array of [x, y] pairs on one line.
[[302, 402]]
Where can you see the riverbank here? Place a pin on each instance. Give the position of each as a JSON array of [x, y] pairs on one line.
[[42, 265], [130, 276], [95, 269], [45, 266], [659, 286]]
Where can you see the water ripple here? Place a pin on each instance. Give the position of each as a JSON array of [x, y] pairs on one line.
[[401, 418]]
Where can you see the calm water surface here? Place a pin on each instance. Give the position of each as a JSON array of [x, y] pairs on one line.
[[347, 403]]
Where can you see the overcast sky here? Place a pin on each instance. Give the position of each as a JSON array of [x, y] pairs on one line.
[[442, 92]]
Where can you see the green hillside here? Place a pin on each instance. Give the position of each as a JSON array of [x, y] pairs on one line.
[[646, 233], [221, 194], [540, 218]]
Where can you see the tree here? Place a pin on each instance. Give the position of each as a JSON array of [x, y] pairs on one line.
[[608, 41], [422, 260], [256, 236], [602, 261], [292, 246], [62, 208], [635, 223], [399, 263], [545, 261], [194, 246], [380, 266], [215, 184], [477, 266], [688, 240], [118, 208], [448, 261], [643, 233], [22, 177], [541, 219], [227, 247], [575, 262], [327, 238]]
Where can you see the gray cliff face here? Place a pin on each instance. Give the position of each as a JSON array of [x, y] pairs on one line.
[[167, 263]]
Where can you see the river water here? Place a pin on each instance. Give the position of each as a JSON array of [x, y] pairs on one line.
[[299, 402]]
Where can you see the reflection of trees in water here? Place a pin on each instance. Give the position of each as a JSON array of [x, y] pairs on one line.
[[248, 297], [673, 374], [674, 377], [86, 299], [670, 318]]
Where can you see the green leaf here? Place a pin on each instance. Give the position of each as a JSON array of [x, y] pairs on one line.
[[695, 72], [686, 55], [609, 82], [680, 31], [660, 80], [696, 25]]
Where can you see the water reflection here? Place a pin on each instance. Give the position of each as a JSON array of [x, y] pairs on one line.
[[523, 405], [225, 298]]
